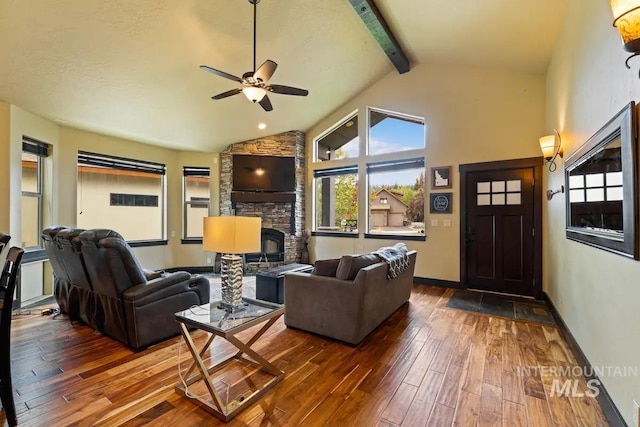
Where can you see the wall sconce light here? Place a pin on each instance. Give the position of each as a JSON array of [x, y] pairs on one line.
[[551, 193], [551, 149], [626, 18]]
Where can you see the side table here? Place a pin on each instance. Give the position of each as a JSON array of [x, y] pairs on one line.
[[220, 323], [270, 283]]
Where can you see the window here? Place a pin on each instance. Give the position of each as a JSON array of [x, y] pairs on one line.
[[124, 195], [396, 197], [336, 199], [393, 133], [394, 168], [340, 142], [118, 199], [196, 187], [33, 152]]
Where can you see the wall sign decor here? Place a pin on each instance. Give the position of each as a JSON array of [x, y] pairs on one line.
[[440, 203], [441, 177]]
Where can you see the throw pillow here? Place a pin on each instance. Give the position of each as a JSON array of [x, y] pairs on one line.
[[326, 267], [350, 265]]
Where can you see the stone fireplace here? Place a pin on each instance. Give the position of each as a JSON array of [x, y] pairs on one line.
[[271, 247], [281, 213]]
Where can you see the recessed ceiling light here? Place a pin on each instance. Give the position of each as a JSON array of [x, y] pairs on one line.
[[350, 123], [262, 125]]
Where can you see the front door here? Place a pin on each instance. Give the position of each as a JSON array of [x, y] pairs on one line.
[[499, 231]]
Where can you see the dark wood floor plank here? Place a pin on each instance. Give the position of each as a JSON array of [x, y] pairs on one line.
[[424, 400], [426, 364]]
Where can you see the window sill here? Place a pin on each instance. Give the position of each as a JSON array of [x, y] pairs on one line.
[[413, 237], [34, 255], [191, 241], [333, 234], [142, 243]]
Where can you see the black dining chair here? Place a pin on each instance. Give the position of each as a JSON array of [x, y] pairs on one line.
[[7, 289]]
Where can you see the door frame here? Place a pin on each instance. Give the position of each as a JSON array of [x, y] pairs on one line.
[[531, 162]]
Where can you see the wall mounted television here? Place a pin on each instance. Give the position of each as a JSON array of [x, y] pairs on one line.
[[264, 173]]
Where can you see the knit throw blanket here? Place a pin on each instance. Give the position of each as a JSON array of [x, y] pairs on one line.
[[396, 258]]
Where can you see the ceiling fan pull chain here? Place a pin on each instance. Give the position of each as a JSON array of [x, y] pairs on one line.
[[255, 8]]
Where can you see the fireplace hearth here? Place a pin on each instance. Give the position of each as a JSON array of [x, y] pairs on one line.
[[272, 247]]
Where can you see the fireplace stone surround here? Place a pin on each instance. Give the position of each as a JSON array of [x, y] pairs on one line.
[[283, 212]]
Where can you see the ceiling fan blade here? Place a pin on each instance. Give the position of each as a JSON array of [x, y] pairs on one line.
[[227, 93], [266, 70], [265, 103], [287, 90], [221, 73]]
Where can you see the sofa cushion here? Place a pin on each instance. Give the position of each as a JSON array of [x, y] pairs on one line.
[[326, 267], [350, 265]]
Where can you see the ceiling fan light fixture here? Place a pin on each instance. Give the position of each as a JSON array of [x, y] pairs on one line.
[[254, 94]]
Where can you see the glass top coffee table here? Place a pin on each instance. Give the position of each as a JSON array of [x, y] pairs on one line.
[[218, 322]]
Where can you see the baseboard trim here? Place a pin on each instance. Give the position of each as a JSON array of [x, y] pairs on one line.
[[610, 410], [437, 282], [192, 270]]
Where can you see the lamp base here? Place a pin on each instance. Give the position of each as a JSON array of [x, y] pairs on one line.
[[231, 278]]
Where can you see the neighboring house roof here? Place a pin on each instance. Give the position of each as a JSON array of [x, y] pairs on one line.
[[396, 195]]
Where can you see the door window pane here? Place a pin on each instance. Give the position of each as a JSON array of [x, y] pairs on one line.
[[497, 199], [497, 186], [513, 198], [513, 185], [484, 199], [484, 187]]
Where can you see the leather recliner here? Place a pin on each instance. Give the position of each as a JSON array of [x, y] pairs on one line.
[[62, 283], [120, 298], [81, 299]]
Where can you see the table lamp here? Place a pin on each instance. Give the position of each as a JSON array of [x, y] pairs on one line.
[[231, 236]]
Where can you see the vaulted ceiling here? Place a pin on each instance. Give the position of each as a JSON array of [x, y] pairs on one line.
[[130, 68]]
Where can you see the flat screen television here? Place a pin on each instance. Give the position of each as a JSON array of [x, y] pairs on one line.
[[264, 173]]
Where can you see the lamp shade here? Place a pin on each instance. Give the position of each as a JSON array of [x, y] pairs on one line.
[[548, 146], [231, 234], [626, 18], [254, 94]]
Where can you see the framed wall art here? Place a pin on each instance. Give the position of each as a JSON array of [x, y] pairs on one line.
[[440, 203], [441, 177]]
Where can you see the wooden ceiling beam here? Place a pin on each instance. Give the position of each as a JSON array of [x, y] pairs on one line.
[[370, 15]]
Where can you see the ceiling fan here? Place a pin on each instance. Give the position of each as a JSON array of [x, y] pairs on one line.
[[255, 83]]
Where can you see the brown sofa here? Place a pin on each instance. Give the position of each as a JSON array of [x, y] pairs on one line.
[[345, 298], [99, 281]]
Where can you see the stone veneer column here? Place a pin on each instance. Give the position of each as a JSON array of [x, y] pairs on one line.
[[274, 215]]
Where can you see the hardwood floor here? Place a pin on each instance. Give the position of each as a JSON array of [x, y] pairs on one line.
[[425, 365]]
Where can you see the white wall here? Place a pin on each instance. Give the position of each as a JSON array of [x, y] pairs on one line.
[[5, 161], [61, 180], [596, 292], [24, 123], [471, 115]]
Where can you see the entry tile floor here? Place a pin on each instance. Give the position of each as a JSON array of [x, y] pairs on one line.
[[513, 307]]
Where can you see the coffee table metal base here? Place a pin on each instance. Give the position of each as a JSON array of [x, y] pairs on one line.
[[226, 411]]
